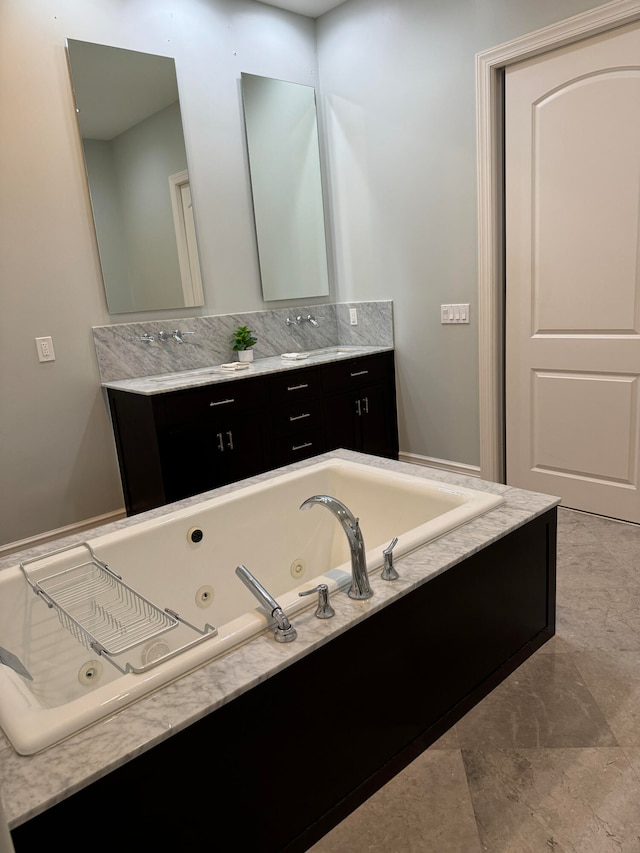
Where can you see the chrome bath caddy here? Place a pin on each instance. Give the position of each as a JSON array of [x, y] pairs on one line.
[[104, 613]]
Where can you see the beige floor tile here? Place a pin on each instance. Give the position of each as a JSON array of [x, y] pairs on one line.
[[560, 800], [592, 566], [424, 809], [544, 703], [608, 620], [613, 680]]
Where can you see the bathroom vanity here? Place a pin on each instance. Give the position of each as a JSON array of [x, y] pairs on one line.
[[175, 439], [271, 745]]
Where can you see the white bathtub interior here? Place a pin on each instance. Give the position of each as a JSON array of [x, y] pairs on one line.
[[257, 525]]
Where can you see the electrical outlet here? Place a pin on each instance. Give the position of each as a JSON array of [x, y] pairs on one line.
[[44, 347], [353, 316]]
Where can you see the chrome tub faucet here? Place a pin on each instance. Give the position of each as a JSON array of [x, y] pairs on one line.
[[360, 587]]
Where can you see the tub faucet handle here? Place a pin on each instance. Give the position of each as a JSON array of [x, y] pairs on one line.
[[388, 571], [324, 610]]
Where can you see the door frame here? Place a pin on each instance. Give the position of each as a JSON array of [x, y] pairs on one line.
[[490, 65]]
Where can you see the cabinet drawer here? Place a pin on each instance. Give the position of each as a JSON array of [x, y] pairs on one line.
[[294, 385], [303, 415], [197, 404], [355, 372], [298, 445]]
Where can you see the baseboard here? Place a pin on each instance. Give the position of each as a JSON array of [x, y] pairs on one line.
[[443, 464], [58, 533]]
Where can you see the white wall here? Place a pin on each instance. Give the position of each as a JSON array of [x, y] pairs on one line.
[[398, 91], [57, 458]]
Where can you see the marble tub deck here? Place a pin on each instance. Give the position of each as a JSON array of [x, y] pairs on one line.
[[550, 760], [31, 784]]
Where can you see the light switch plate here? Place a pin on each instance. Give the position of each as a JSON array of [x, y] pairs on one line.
[[457, 312]]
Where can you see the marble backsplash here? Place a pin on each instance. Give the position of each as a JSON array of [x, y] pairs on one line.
[[123, 354]]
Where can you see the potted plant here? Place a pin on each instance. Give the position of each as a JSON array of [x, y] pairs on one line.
[[242, 341]]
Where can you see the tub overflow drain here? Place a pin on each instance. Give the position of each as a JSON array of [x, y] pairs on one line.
[[90, 672], [298, 568]]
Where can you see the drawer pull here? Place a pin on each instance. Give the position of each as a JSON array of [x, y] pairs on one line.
[[302, 446], [297, 387], [359, 373], [223, 402], [299, 417]]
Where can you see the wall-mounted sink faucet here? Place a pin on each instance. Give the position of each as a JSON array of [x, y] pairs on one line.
[[360, 588], [284, 632], [290, 321], [149, 339], [177, 335]]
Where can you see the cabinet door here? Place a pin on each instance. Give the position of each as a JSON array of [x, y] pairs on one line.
[[373, 411], [341, 421], [199, 456]]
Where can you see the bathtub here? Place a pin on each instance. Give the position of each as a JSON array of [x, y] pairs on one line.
[[185, 561]]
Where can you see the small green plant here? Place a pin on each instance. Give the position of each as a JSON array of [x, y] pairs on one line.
[[243, 338]]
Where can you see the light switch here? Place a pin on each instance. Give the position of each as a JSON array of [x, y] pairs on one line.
[[455, 313]]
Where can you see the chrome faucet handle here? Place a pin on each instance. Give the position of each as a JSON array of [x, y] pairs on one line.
[[178, 335], [290, 322], [312, 320], [388, 572], [324, 610]]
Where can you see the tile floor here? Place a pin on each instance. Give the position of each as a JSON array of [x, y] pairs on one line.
[[550, 760]]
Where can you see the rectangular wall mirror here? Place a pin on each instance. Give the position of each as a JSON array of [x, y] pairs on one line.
[[128, 112], [284, 162]]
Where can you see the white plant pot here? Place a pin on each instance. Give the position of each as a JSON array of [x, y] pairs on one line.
[[245, 355]]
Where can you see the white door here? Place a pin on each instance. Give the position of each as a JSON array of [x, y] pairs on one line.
[[572, 359]]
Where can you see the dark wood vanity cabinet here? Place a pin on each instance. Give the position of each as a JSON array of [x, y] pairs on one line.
[[360, 405], [176, 444]]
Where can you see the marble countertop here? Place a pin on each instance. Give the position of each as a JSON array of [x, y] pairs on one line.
[[31, 784], [163, 382]]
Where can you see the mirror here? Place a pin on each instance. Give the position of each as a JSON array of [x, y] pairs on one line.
[[284, 163], [128, 112]]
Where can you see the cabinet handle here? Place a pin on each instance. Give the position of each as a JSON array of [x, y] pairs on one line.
[[220, 442], [359, 373], [358, 408], [230, 440], [302, 446], [223, 402], [299, 417], [296, 387], [365, 400]]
